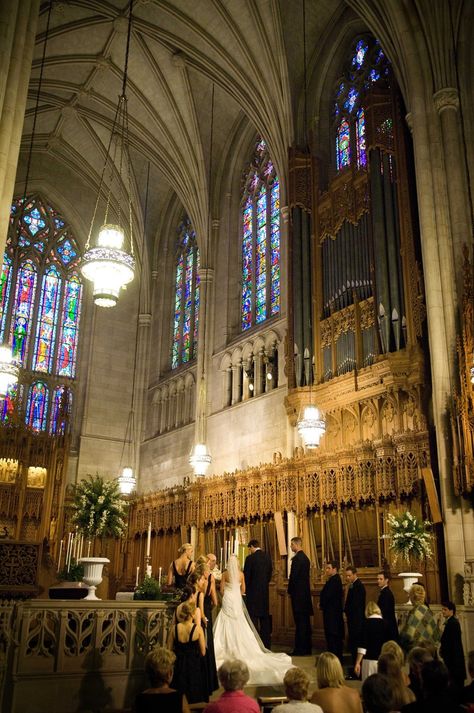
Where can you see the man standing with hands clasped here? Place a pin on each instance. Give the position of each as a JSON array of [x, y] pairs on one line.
[[301, 603], [330, 602], [386, 602], [258, 573], [354, 609]]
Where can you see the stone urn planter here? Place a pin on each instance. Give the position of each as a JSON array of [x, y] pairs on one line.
[[93, 567], [409, 579]]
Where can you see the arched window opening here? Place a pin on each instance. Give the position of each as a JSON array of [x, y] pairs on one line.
[[260, 234], [40, 309], [186, 304]]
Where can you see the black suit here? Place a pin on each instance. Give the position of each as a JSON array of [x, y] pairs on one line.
[[386, 602], [258, 573], [299, 590], [330, 601], [355, 612], [452, 652]]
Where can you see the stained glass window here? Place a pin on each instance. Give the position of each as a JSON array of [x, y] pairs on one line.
[[367, 66], [186, 302], [61, 406], [40, 308], [260, 240]]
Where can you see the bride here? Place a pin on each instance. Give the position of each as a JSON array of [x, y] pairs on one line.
[[236, 637]]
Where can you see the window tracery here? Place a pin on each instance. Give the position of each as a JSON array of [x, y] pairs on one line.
[[186, 302]]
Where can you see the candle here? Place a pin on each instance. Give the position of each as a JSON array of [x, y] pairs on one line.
[[89, 548], [159, 575], [148, 540], [148, 570], [60, 552], [222, 558], [136, 580], [68, 551]]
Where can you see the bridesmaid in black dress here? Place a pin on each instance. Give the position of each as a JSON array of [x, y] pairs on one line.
[[187, 641], [208, 597], [180, 569]]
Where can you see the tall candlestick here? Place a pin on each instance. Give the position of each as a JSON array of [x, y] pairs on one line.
[[159, 575], [136, 580], [148, 570], [148, 540], [60, 551], [222, 558], [89, 548]]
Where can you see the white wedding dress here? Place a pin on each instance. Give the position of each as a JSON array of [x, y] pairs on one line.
[[235, 636]]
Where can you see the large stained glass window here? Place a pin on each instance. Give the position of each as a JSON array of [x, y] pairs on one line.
[[186, 302], [367, 65], [260, 231], [40, 309]]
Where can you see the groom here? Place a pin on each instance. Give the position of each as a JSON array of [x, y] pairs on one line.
[[258, 573]]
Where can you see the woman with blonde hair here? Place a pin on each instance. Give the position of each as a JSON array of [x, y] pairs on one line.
[[333, 695], [187, 642], [160, 696], [375, 633], [389, 665], [420, 626], [180, 568], [391, 647]]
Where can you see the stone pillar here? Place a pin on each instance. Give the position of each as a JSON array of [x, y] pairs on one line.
[[143, 336], [18, 21], [446, 101], [194, 536], [206, 322], [236, 380]]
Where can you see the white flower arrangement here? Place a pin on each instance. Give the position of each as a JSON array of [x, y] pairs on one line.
[[98, 509], [409, 537]]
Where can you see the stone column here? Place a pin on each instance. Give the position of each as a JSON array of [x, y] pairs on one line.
[[194, 536], [206, 322], [139, 401], [236, 380], [18, 21]]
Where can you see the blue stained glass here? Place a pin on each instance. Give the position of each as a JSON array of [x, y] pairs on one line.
[[352, 96], [36, 407], [69, 332], [59, 223], [61, 407], [34, 221], [275, 247], [343, 146], [361, 51], [186, 308], [8, 404], [24, 296], [5, 288], [66, 252], [361, 140], [47, 321], [374, 75]]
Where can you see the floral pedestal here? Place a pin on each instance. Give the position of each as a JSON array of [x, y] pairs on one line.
[[93, 567], [409, 579]]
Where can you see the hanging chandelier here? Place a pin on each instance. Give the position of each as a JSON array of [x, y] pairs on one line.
[[9, 371], [311, 426], [127, 481], [107, 264], [200, 459]]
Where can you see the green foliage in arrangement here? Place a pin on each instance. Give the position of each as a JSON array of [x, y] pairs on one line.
[[150, 590], [75, 574], [409, 537], [98, 508]]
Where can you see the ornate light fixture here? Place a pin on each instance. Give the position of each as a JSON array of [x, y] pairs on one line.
[[127, 481], [108, 265], [200, 459], [9, 372], [311, 426]]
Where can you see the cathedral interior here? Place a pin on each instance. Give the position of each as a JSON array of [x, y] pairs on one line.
[[301, 216]]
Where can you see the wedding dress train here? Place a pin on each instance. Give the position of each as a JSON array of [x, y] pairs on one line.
[[236, 637]]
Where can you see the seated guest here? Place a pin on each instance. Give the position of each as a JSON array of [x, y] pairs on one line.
[[333, 695], [160, 696], [377, 694], [436, 694], [391, 647], [467, 694], [417, 657], [233, 675], [388, 665], [296, 684]]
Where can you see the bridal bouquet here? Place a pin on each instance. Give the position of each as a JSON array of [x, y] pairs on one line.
[[409, 537], [98, 509]]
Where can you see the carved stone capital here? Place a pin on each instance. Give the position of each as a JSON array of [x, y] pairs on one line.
[[144, 319], [409, 120], [206, 274], [285, 214], [446, 98]]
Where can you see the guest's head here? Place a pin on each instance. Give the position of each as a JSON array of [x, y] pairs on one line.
[[351, 574], [389, 665], [212, 560], [383, 579], [202, 569], [233, 675], [185, 611], [377, 695], [296, 684], [253, 545], [372, 608], [196, 580], [331, 568], [187, 549], [187, 593], [329, 671], [434, 679], [448, 609], [391, 647], [416, 659], [296, 544], [202, 559], [417, 594], [159, 666]]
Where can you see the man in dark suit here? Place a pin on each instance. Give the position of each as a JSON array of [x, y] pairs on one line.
[[451, 649], [354, 609], [258, 573], [386, 602], [299, 590], [330, 601]]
